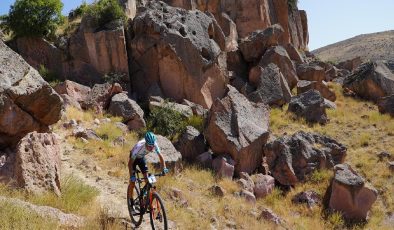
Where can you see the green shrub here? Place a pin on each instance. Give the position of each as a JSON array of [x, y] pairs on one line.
[[292, 4], [166, 121], [48, 76], [79, 11], [105, 11], [197, 122], [37, 18]]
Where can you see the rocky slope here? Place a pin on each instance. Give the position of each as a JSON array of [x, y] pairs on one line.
[[375, 46]]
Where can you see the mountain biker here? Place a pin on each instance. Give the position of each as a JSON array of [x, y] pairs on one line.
[[137, 157]]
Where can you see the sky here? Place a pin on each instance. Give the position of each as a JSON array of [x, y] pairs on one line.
[[329, 21]]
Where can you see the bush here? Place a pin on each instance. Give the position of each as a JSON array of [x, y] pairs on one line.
[[79, 11], [48, 76], [292, 4], [37, 18], [105, 11], [166, 121]]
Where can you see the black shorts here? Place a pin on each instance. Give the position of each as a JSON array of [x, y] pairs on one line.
[[141, 165]]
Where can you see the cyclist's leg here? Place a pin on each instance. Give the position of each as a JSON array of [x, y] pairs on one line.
[[143, 167], [132, 183]]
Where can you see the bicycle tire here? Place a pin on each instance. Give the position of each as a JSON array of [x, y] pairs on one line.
[[161, 216], [136, 218]]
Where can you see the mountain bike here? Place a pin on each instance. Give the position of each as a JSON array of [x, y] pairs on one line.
[[146, 200]]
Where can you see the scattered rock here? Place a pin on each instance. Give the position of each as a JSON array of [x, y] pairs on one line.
[[263, 185], [119, 141], [223, 166], [269, 215], [121, 105], [249, 197], [218, 191], [309, 105], [311, 198], [74, 90], [291, 158], [386, 105], [384, 155], [69, 101], [88, 134], [350, 194], [100, 96], [205, 159], [350, 64], [311, 72], [70, 124], [122, 126], [391, 166], [304, 86], [246, 182]]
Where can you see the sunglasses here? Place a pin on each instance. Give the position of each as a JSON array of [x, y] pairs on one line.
[[150, 146]]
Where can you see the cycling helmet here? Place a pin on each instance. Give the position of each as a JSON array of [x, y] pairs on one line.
[[150, 138]]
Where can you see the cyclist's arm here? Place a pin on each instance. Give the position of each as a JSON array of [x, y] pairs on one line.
[[162, 162], [131, 161]]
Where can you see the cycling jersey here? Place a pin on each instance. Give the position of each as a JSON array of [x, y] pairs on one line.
[[139, 151]]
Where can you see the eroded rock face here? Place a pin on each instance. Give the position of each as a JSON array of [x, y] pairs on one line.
[[232, 129], [37, 163], [291, 158], [179, 50], [27, 102], [372, 80], [309, 105], [350, 194], [132, 114]]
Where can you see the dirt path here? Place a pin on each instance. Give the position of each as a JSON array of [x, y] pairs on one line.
[[112, 190]]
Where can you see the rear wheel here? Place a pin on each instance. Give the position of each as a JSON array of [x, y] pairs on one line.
[[158, 217], [133, 204]]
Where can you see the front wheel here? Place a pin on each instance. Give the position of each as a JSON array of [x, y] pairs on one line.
[[136, 212], [158, 217]]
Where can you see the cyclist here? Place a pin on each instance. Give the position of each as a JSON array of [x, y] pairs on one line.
[[137, 157]]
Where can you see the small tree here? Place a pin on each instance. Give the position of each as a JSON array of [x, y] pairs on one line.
[[38, 18], [105, 11]]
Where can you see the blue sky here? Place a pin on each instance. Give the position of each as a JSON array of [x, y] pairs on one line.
[[329, 21]]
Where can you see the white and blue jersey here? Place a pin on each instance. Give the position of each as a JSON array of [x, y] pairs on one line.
[[139, 151]]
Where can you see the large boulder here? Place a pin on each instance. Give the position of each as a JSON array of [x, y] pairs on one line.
[[279, 57], [386, 105], [158, 102], [74, 90], [263, 185], [350, 64], [311, 72], [121, 105], [37, 163], [255, 45], [181, 51], [292, 158], [272, 88], [309, 105], [372, 80], [350, 194], [239, 128], [171, 156], [223, 165], [191, 144], [100, 96], [27, 102]]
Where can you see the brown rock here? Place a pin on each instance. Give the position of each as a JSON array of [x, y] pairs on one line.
[[246, 182], [121, 105], [205, 159], [311, 198], [216, 190], [185, 58], [279, 57], [171, 156], [350, 64], [386, 105], [231, 129], [294, 54], [254, 46], [69, 101], [304, 86], [263, 185], [311, 72], [37, 163], [269, 215], [223, 166], [27, 102], [249, 197], [349, 194], [74, 90], [309, 105], [372, 80], [100, 96], [191, 144], [292, 158]]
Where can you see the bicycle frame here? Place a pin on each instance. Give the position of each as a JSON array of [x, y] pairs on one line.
[[148, 188]]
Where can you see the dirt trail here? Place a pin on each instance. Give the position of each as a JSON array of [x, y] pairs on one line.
[[112, 190]]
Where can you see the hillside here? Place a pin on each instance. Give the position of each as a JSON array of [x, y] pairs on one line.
[[373, 46]]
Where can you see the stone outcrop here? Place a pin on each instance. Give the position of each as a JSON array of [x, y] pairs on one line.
[[100, 96], [191, 144], [321, 86], [386, 105], [181, 51], [291, 158], [121, 105], [372, 80], [350, 64], [309, 105], [272, 88], [27, 102], [350, 194], [37, 163], [232, 130]]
